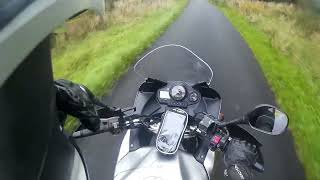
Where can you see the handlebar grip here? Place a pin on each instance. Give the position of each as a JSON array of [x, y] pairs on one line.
[[82, 133], [109, 125], [86, 132]]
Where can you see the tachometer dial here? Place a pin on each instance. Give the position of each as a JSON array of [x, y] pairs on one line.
[[178, 92], [193, 97]]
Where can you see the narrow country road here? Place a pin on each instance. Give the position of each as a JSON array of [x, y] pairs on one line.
[[238, 78]]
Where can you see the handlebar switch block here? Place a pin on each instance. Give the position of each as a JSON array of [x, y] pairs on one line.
[[219, 141], [216, 139], [205, 123], [214, 142]]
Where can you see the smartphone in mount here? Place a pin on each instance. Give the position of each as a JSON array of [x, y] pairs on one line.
[[173, 125]]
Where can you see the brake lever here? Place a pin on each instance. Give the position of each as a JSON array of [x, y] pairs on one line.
[[129, 109]]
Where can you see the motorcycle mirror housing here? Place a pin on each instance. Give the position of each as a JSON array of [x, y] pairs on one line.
[[268, 119]]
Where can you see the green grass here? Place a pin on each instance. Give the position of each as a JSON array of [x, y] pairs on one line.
[[103, 56], [296, 91]]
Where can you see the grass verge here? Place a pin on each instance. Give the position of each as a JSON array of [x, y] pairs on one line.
[[99, 59], [294, 83]]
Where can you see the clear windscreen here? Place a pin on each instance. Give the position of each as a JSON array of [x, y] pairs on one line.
[[174, 63]]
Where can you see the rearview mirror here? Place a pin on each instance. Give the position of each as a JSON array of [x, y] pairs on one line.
[[268, 119]]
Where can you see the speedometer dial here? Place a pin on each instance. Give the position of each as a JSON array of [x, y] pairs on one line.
[[178, 92]]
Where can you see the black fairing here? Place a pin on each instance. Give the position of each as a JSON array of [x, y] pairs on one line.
[[147, 104], [31, 145], [145, 101], [27, 105], [211, 98], [151, 85], [206, 91], [60, 157]]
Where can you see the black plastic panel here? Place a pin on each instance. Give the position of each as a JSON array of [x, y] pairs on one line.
[[60, 157], [11, 8], [27, 109]]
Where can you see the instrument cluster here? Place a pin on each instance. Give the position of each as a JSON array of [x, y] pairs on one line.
[[178, 94]]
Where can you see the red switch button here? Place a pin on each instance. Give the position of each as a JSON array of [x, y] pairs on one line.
[[216, 139]]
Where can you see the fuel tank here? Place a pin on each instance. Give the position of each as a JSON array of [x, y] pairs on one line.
[[147, 163]]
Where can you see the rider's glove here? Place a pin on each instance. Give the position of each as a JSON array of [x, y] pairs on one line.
[[239, 158], [78, 101]]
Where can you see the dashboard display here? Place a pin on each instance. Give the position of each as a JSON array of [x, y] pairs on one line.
[[178, 95], [178, 92], [164, 95]]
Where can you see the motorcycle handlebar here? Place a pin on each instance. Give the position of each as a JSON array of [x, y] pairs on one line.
[[219, 139]]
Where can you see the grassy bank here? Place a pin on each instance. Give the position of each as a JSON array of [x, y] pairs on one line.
[[99, 58], [287, 46]]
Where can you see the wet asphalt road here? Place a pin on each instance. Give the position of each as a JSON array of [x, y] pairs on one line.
[[238, 78]]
